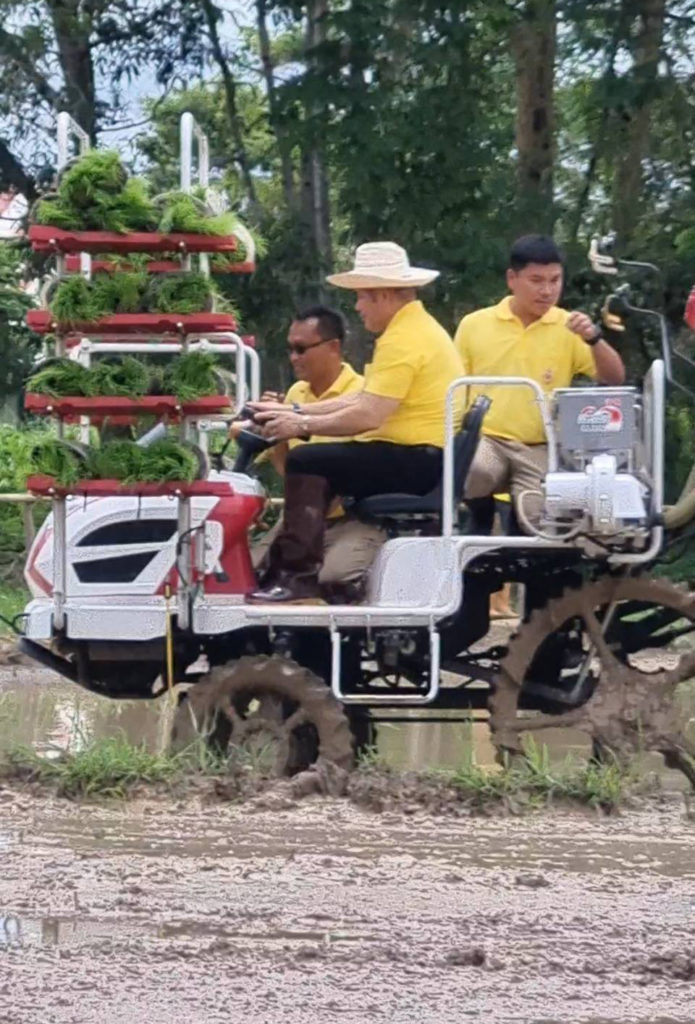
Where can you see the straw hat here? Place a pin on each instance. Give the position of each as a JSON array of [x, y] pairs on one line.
[[382, 265]]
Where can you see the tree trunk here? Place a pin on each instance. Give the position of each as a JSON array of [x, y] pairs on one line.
[[235, 124], [283, 143], [634, 122], [533, 47], [75, 56], [315, 190]]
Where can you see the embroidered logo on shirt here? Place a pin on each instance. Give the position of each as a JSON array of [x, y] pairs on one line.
[[548, 376]]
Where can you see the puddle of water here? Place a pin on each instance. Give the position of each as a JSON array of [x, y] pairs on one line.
[[55, 716], [20, 932]]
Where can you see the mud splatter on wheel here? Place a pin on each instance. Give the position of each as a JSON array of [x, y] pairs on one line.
[[273, 708], [614, 651]]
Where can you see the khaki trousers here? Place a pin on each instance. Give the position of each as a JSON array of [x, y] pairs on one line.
[[508, 467], [350, 547]]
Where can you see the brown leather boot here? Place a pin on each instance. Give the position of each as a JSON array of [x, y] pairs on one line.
[[296, 554]]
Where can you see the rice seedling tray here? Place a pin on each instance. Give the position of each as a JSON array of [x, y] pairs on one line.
[[150, 405], [48, 487], [43, 322], [45, 238]]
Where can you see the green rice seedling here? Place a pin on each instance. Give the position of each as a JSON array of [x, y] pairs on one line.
[[186, 213], [104, 768], [191, 376], [94, 176], [116, 460], [179, 293], [131, 210], [126, 377], [61, 378], [75, 301], [120, 292], [55, 458], [168, 460]]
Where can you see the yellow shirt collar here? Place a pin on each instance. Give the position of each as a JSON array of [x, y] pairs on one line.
[[415, 306], [503, 311], [337, 388]]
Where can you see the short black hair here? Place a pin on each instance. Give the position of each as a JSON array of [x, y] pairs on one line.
[[329, 322], [534, 249]]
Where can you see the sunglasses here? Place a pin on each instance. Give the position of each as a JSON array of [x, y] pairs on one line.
[[299, 350]]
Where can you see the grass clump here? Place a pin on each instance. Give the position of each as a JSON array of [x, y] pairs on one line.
[[191, 376], [531, 780], [103, 768], [178, 293], [186, 213], [126, 461], [126, 377], [96, 194], [56, 458], [78, 300], [13, 600], [62, 377], [168, 460]]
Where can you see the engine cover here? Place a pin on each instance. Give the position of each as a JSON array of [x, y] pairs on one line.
[[609, 500]]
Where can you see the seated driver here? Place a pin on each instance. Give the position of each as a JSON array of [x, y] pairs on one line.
[[527, 335], [314, 343]]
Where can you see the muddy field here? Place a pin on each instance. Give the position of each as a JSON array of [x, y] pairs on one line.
[[160, 912], [320, 912]]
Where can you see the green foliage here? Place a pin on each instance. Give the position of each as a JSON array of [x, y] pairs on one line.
[[169, 460], [124, 376], [179, 293], [62, 377], [56, 458], [13, 600], [76, 301], [103, 768], [95, 194], [191, 376], [17, 343], [120, 292], [128, 462], [183, 212]]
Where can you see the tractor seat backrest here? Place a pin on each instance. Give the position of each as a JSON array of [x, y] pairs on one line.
[[392, 506]]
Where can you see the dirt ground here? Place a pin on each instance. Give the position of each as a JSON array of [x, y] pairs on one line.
[[161, 913]]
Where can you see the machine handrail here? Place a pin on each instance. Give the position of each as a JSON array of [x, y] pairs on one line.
[[449, 500]]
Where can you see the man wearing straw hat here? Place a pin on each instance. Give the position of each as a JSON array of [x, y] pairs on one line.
[[396, 422]]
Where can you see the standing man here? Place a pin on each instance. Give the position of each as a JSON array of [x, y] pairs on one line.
[[396, 421], [315, 346], [527, 335]]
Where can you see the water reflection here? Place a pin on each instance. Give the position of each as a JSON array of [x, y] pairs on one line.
[[56, 716]]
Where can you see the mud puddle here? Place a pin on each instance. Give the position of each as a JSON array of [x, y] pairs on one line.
[[38, 709]]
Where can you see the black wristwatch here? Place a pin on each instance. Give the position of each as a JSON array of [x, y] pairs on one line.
[[595, 337]]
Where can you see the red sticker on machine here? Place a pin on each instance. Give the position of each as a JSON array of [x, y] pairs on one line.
[[608, 416]]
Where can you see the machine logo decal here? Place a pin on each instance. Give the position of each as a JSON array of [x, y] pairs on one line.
[[597, 419]]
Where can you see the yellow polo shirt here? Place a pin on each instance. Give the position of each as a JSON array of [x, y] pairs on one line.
[[414, 361], [347, 382], [494, 342]]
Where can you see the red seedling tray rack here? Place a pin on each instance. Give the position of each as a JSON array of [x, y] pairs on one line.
[[46, 486], [72, 407], [72, 265], [45, 238], [43, 322]]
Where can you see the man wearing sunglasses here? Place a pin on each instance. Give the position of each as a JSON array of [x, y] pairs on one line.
[[388, 437], [315, 348]]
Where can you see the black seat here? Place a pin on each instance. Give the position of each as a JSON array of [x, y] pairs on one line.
[[392, 506]]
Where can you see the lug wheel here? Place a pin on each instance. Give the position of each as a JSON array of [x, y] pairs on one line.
[[279, 715], [606, 658]]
